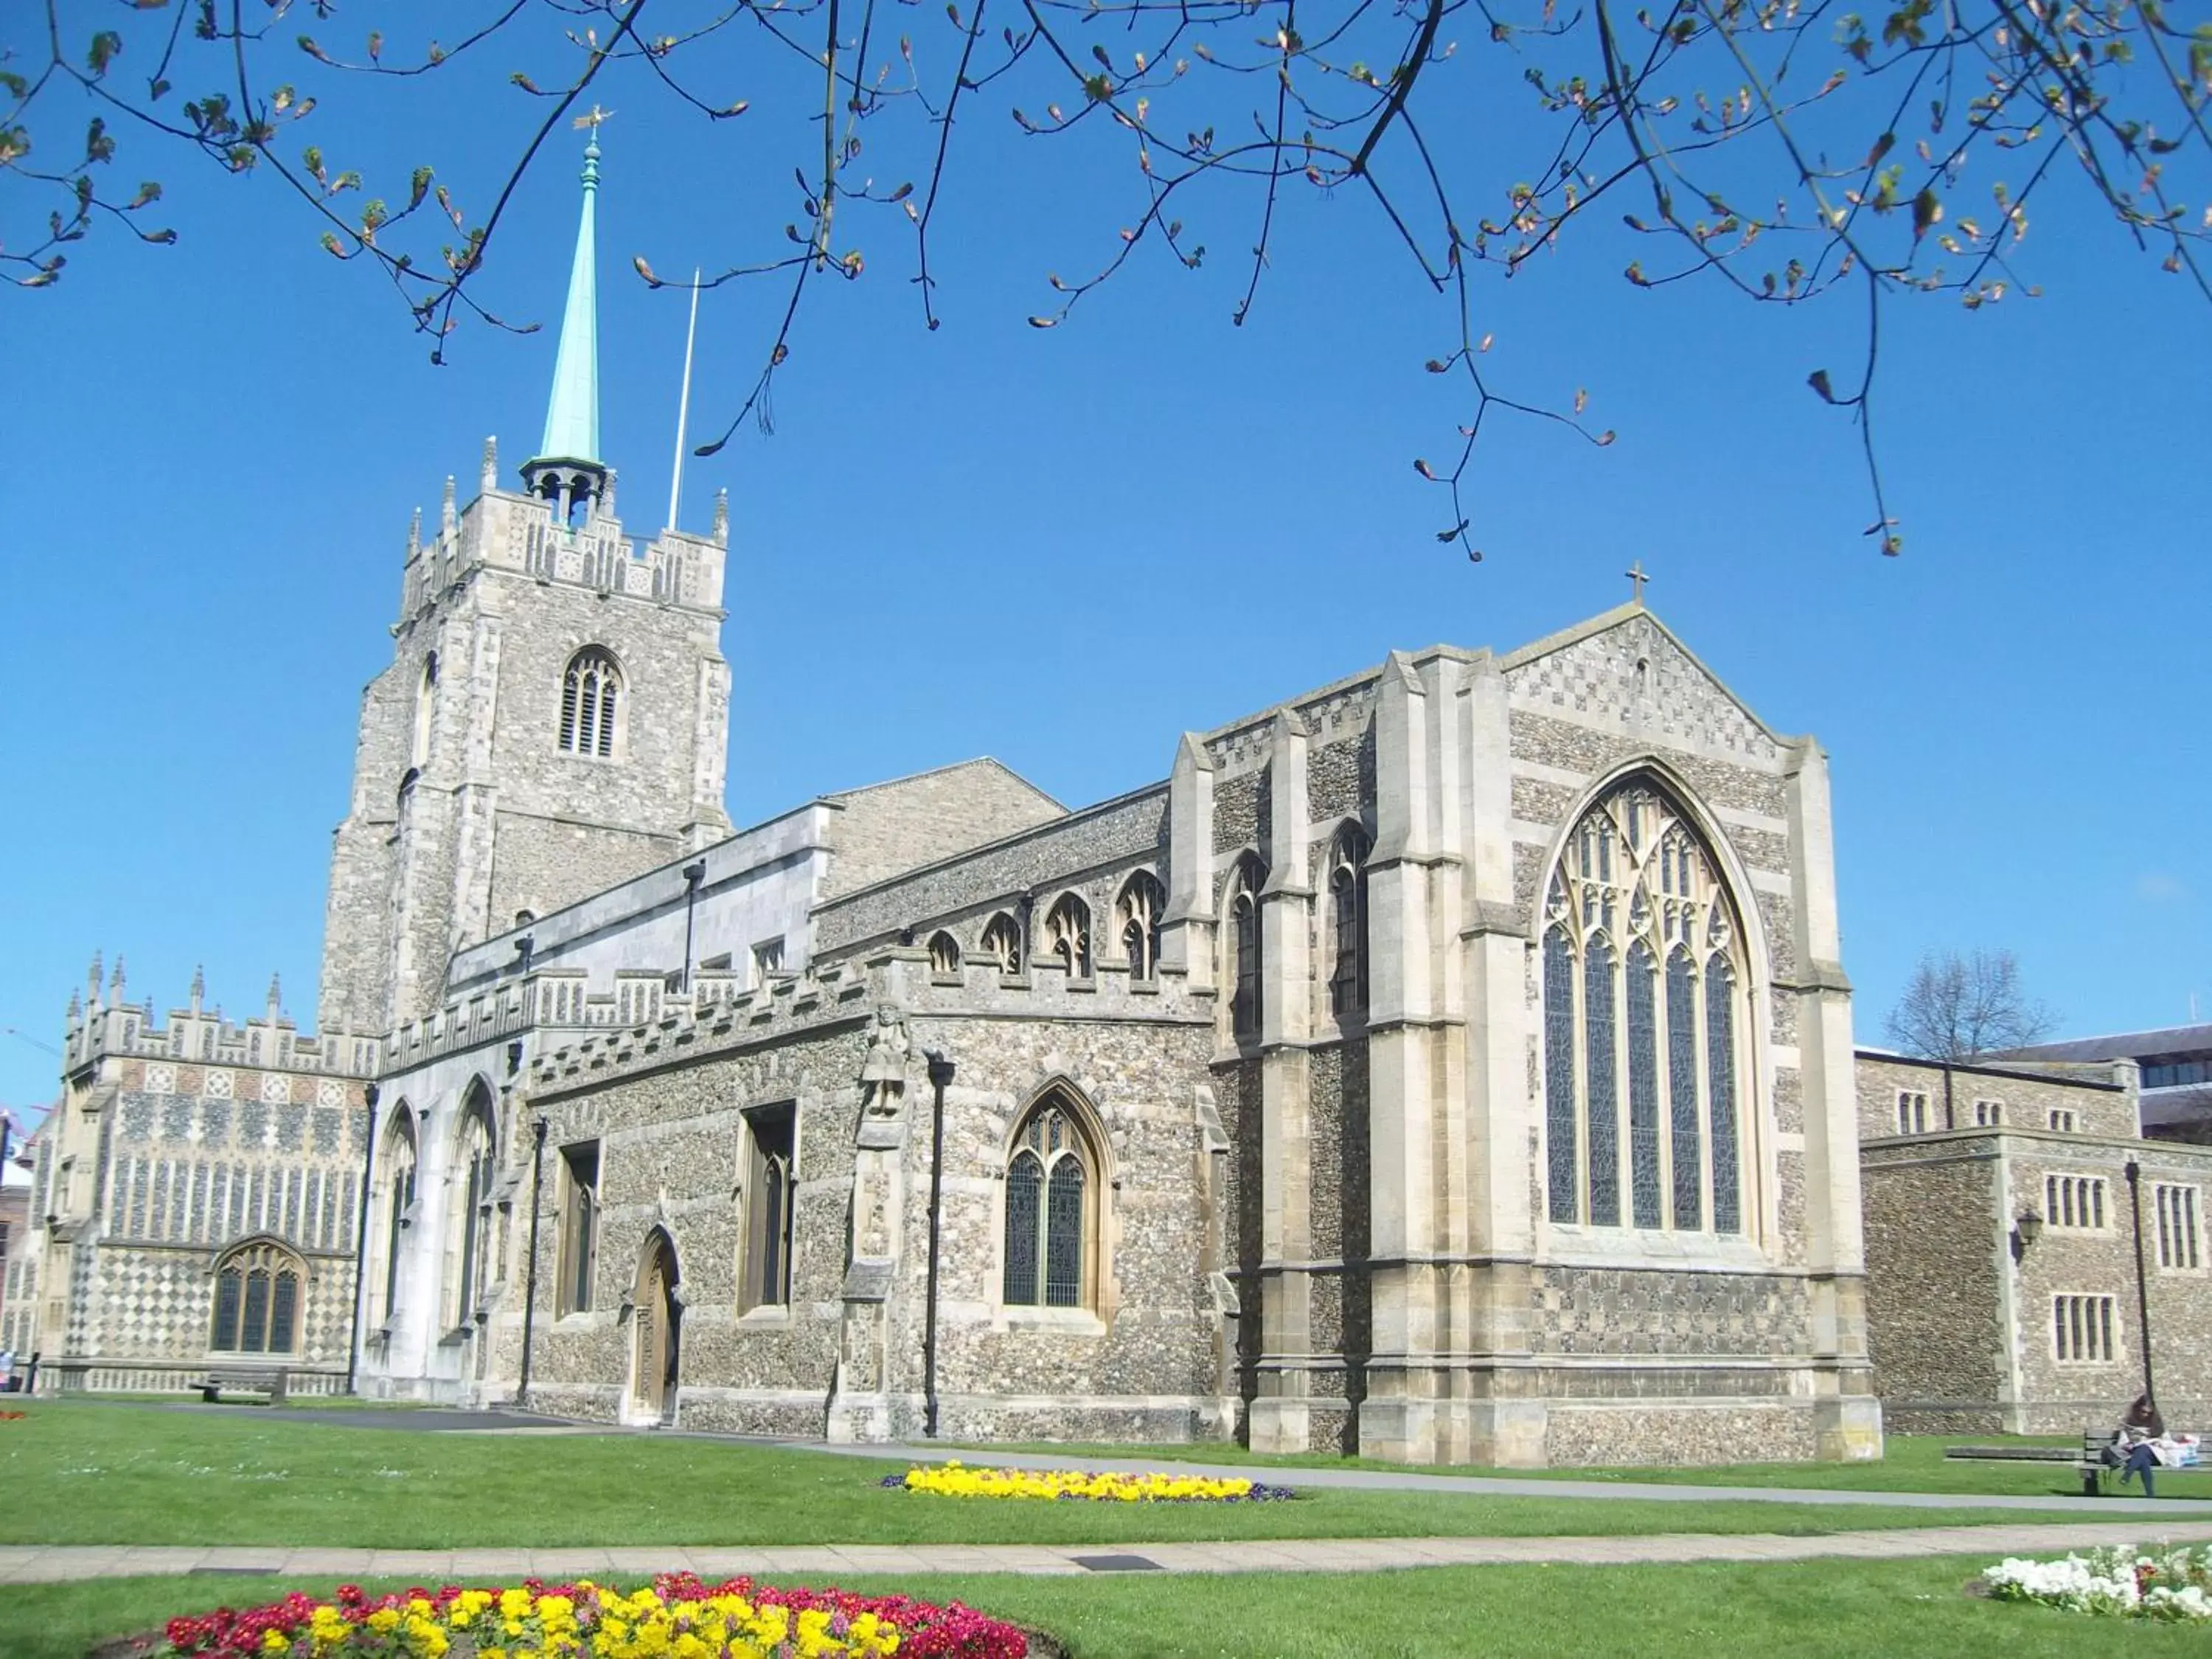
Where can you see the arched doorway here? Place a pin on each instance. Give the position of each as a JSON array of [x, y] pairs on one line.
[[659, 1332]]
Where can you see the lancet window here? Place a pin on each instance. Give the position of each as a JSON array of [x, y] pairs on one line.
[[1051, 1187], [470, 1234], [1142, 903], [400, 1157], [1347, 903], [1243, 938], [1641, 965], [591, 703]]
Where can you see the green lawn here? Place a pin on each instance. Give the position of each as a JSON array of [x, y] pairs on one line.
[[1911, 1462], [88, 1473], [1808, 1610]]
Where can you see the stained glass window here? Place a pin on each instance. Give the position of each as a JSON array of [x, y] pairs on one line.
[[1559, 1073], [1635, 905], [1024, 1209], [284, 1310], [229, 1289], [1682, 1090], [255, 1330], [1063, 1231], [1642, 1083], [1600, 1020], [1720, 1068]]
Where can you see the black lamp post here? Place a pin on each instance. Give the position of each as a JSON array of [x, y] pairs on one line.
[[530, 1278], [940, 1078], [2133, 1170], [369, 1095]]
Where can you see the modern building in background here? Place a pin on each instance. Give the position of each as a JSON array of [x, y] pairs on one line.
[[2033, 1261], [2176, 1064]]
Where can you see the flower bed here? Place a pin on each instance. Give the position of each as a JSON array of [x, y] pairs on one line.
[[955, 1480], [2137, 1583], [677, 1617]]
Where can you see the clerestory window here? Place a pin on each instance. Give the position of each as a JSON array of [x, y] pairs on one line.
[[1644, 1015], [1067, 935], [1142, 903], [1347, 900]]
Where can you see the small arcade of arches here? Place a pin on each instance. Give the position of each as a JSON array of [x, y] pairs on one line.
[[258, 1294]]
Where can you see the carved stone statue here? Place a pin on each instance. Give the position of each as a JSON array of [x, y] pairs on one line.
[[883, 1075]]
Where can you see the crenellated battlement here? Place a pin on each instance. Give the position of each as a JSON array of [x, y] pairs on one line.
[[509, 530], [102, 1023]]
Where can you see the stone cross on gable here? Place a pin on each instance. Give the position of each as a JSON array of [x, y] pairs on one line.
[[1635, 574]]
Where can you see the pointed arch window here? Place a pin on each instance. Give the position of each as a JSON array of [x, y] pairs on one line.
[[591, 703], [1139, 910], [944, 956], [1051, 1200], [426, 700], [1067, 935], [1243, 943], [1348, 901], [1643, 992], [469, 1232], [1002, 943], [257, 1300], [400, 1158]]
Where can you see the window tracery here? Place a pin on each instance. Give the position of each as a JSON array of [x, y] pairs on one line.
[[400, 1158], [1002, 943], [1641, 986], [1050, 1181], [1244, 944], [1067, 935], [474, 1174], [257, 1300], [1143, 902], [1347, 896], [590, 698], [944, 955]]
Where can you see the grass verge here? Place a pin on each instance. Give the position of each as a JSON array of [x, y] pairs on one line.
[[96, 1474], [1809, 1610], [1911, 1462]]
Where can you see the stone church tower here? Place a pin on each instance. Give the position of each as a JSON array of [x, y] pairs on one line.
[[555, 718]]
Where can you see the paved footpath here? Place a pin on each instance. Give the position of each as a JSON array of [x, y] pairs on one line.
[[32, 1564]]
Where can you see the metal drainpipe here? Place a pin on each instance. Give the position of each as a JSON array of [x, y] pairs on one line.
[[2134, 1173], [940, 1076], [361, 1240], [694, 873], [530, 1276]]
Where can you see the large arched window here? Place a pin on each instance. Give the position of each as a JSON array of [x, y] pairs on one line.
[[1067, 935], [1051, 1197], [1643, 988], [591, 703], [1347, 904], [257, 1300], [395, 1205], [1241, 940], [469, 1213], [1139, 910]]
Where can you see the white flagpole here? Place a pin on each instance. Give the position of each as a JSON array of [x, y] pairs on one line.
[[683, 408]]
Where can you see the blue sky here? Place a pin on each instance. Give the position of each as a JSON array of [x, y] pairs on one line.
[[1063, 547]]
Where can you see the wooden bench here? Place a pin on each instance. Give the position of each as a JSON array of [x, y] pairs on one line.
[[2088, 1461], [269, 1384]]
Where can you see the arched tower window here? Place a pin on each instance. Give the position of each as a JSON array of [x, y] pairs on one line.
[[395, 1204], [1142, 903], [1051, 1186], [426, 702], [469, 1215], [591, 702], [944, 954], [1347, 901], [1002, 943], [1242, 938], [1067, 935], [257, 1300], [1643, 986]]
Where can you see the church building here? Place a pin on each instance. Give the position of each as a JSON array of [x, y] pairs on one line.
[[1452, 1063]]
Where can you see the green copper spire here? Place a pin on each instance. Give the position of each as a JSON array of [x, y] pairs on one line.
[[572, 420]]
